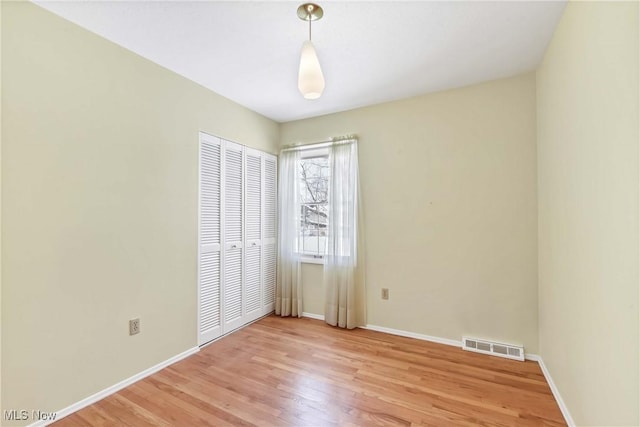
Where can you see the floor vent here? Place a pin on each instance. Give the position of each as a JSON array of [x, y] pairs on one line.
[[493, 348]]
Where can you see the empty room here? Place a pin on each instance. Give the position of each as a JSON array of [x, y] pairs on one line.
[[344, 213]]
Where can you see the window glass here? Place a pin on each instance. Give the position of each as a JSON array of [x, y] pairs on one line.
[[314, 187]]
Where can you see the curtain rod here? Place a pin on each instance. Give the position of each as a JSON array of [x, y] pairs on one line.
[[319, 144]]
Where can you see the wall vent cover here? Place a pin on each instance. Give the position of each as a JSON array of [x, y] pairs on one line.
[[493, 348]]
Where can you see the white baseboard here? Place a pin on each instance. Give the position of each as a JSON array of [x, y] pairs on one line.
[[313, 316], [556, 394], [116, 387], [415, 335]]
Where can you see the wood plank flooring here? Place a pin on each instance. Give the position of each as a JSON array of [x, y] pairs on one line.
[[302, 372]]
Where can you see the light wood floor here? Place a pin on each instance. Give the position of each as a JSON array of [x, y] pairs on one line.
[[302, 372]]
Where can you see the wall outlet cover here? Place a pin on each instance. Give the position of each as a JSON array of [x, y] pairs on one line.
[[134, 326]]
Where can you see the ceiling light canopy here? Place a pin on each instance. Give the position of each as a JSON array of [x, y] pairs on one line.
[[310, 77]]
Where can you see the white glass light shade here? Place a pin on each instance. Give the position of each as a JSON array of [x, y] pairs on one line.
[[310, 78]]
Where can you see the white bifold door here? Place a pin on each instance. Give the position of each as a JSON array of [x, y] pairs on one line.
[[209, 239], [269, 230], [237, 236], [253, 234]]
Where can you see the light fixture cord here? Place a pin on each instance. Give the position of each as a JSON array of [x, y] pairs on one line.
[[309, 26]]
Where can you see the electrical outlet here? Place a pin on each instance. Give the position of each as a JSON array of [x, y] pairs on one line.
[[385, 293], [134, 326]]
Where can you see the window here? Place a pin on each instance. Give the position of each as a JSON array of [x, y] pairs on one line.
[[313, 174]]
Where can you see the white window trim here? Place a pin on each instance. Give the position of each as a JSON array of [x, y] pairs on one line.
[[306, 259]]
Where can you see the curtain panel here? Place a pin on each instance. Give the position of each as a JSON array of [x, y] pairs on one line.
[[344, 279], [289, 283]]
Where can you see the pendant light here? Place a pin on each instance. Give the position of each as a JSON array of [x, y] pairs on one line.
[[310, 78]]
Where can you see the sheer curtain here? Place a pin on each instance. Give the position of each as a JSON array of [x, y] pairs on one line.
[[289, 283], [344, 264]]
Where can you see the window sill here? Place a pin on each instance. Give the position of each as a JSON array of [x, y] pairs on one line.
[[307, 260]]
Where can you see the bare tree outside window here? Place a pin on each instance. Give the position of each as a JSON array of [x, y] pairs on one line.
[[314, 188]]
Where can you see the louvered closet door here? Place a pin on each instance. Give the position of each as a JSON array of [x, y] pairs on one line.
[[233, 237], [270, 230], [209, 262], [253, 228]]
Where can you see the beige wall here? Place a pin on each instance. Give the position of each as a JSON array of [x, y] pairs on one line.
[[99, 187], [449, 188], [587, 91], [312, 290], [1, 407]]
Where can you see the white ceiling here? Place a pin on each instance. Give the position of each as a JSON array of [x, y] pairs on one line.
[[370, 52]]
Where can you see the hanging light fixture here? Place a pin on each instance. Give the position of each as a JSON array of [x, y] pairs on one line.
[[310, 78]]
